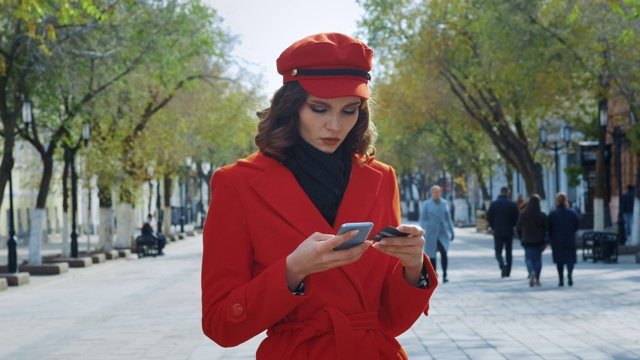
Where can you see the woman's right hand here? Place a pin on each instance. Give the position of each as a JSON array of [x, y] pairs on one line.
[[316, 254]]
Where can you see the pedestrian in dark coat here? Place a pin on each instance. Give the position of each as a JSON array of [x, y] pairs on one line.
[[532, 229], [502, 217], [628, 198], [563, 225]]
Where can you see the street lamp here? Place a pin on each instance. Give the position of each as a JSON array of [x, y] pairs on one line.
[[150, 171], [159, 208], [600, 186], [86, 133], [191, 212], [566, 134], [12, 242], [200, 207]]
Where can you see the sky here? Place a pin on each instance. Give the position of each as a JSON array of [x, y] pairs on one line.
[[266, 27]]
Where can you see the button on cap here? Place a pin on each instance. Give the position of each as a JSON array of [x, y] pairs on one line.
[[237, 310]]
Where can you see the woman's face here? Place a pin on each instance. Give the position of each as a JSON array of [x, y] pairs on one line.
[[325, 123]]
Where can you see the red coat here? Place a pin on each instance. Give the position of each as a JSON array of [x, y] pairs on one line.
[[259, 215]]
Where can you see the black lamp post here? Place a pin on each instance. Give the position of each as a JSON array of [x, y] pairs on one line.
[[566, 134], [150, 171], [12, 242], [183, 194], [86, 132], [158, 207]]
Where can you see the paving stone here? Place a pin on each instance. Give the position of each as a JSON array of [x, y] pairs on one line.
[[150, 309]]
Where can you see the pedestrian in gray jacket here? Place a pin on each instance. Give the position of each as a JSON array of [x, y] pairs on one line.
[[435, 219]]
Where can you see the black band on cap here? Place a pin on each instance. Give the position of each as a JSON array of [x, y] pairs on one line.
[[331, 72]]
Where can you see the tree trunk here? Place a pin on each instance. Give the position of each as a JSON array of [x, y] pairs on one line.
[[507, 136], [124, 231], [531, 173], [486, 198], [483, 188], [125, 217], [8, 137], [105, 235], [509, 175], [6, 166], [35, 239]]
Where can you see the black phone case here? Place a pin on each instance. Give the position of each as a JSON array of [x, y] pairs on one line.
[[389, 231]]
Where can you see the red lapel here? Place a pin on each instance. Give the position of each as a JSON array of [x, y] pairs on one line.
[[280, 189]]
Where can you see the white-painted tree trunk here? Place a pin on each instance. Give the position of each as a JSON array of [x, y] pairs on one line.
[[124, 231], [105, 230], [635, 225], [66, 248], [598, 214], [35, 238]]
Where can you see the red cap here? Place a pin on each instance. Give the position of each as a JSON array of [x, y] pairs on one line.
[[328, 65]]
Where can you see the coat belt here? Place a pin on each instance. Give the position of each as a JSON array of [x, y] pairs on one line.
[[327, 320]]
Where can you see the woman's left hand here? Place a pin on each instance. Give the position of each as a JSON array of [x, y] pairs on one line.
[[406, 248]]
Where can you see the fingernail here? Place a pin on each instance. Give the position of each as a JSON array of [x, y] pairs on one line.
[[354, 232]]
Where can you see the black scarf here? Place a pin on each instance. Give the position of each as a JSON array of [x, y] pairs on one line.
[[323, 177]]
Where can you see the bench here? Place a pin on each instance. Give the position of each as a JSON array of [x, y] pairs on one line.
[[599, 245], [147, 245]]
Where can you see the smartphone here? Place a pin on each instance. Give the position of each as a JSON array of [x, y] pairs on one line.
[[389, 231], [363, 227]]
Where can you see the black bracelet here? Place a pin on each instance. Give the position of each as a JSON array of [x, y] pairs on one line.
[[424, 278], [299, 290]]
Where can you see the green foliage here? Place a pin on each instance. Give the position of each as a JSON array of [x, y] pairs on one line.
[[511, 65], [175, 103], [117, 68], [574, 174]]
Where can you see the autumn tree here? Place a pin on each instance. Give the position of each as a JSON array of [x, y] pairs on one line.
[[506, 73]]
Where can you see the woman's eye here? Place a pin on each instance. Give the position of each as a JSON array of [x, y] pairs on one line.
[[349, 112], [317, 110]]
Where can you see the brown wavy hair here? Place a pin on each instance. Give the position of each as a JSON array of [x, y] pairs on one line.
[[531, 217], [279, 124]]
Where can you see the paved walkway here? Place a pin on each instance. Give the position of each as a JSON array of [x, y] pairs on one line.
[[150, 309]]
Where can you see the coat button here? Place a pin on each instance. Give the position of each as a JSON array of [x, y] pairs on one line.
[[237, 310]]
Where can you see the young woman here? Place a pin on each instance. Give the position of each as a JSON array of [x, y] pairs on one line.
[[563, 225], [269, 237], [532, 229]]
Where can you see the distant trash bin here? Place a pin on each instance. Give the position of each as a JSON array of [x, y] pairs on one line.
[[598, 245]]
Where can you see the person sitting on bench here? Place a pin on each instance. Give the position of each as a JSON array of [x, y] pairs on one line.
[[147, 230]]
